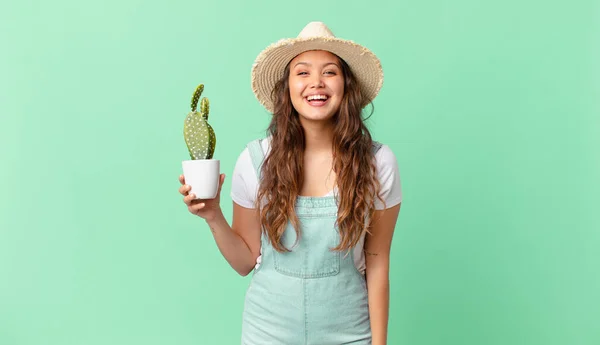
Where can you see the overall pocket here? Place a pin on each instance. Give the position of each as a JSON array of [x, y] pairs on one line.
[[311, 256]]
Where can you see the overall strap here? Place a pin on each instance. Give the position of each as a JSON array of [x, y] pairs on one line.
[[256, 154], [376, 146]]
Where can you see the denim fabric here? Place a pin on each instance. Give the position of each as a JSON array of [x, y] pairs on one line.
[[310, 295]]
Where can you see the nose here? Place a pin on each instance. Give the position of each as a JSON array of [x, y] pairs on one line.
[[316, 81]]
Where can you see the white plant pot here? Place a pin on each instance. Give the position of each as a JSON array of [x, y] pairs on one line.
[[203, 176]]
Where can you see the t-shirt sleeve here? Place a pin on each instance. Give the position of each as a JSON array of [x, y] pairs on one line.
[[244, 181], [389, 178]]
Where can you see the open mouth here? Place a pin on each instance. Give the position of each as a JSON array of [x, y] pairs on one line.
[[317, 100]]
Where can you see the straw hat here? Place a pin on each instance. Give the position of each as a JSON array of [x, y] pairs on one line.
[[271, 62]]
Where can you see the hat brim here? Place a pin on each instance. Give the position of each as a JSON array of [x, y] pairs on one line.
[[269, 65]]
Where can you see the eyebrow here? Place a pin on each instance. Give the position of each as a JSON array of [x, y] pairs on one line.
[[308, 64]]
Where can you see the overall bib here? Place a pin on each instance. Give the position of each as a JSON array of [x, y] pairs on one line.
[[311, 295]]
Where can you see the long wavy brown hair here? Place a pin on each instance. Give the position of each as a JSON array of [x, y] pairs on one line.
[[353, 163]]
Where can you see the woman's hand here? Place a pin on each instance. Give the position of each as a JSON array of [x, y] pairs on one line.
[[204, 208]]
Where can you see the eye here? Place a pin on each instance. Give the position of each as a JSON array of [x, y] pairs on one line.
[[330, 72], [302, 73]]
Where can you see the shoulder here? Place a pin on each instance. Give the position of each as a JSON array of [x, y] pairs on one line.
[[252, 152], [243, 163], [388, 175], [385, 157], [264, 143], [244, 183]]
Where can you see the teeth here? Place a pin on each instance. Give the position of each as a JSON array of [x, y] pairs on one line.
[[313, 97]]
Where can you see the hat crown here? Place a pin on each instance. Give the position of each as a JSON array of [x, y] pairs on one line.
[[315, 29]]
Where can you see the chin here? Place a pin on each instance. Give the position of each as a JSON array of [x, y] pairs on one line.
[[317, 114], [317, 117]]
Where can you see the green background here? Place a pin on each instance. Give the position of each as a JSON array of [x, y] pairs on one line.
[[492, 109]]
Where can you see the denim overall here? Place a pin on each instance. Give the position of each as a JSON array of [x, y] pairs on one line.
[[311, 295]]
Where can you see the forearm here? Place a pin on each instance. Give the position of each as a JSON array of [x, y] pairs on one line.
[[231, 245], [377, 250], [379, 297]]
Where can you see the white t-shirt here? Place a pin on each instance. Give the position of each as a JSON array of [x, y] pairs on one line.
[[244, 187]]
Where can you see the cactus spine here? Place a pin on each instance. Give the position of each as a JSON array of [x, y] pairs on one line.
[[199, 135]]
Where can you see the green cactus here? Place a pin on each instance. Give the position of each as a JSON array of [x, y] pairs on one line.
[[199, 135]]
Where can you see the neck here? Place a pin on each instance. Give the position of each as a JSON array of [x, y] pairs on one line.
[[318, 136]]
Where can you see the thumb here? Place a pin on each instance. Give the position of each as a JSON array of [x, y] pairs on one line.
[[221, 180]]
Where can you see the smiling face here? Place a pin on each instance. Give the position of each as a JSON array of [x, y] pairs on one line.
[[316, 85]]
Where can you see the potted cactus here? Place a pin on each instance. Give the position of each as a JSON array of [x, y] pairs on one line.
[[201, 172]]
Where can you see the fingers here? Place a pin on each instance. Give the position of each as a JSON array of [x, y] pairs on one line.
[[189, 199], [184, 189], [195, 208], [195, 205]]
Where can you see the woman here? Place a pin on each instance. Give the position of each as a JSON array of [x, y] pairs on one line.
[[315, 202]]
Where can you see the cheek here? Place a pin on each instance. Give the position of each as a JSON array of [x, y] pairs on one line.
[[295, 93], [339, 88], [296, 87]]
